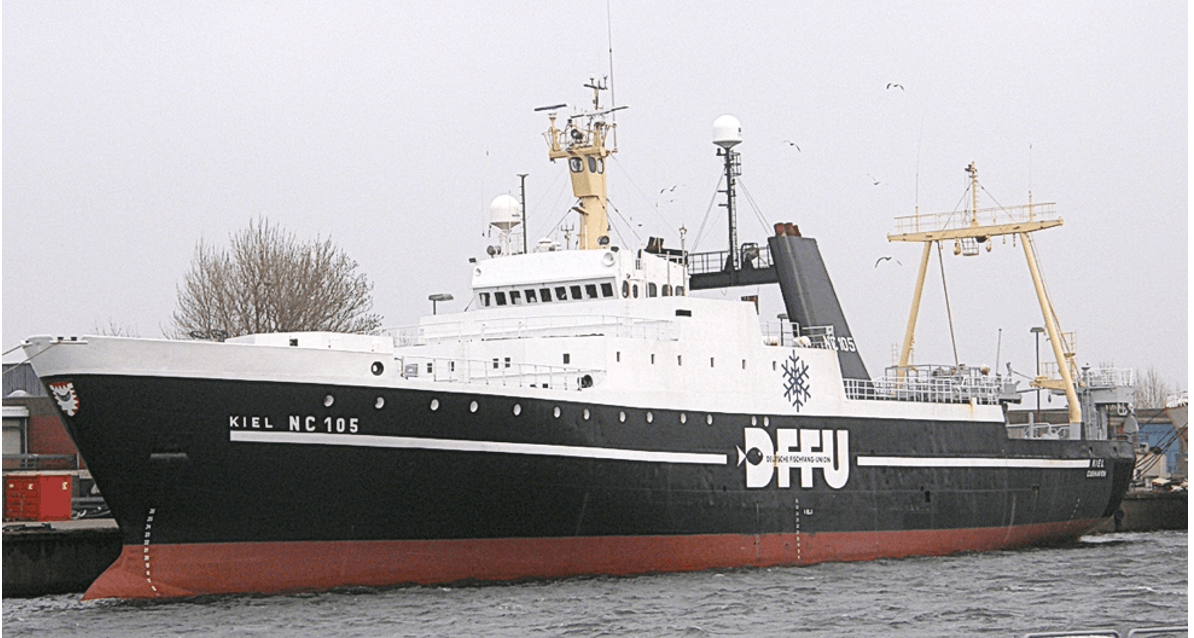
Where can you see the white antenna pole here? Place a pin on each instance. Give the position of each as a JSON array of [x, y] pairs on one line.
[[613, 101]]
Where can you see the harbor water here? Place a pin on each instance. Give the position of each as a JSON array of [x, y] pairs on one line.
[[1120, 581]]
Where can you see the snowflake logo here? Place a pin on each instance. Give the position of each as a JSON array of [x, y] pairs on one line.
[[796, 381]]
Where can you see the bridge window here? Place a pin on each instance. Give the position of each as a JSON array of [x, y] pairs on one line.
[[590, 291], [545, 293], [679, 291], [561, 293], [500, 298], [652, 289], [515, 297], [667, 290], [576, 165], [531, 295], [625, 288], [575, 292], [484, 299], [607, 289]]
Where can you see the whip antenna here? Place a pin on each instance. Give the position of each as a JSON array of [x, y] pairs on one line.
[[613, 100]]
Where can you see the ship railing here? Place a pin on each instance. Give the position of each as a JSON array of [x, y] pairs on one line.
[[750, 256], [40, 462], [928, 384], [961, 219], [786, 334], [1109, 377], [535, 327], [498, 371]]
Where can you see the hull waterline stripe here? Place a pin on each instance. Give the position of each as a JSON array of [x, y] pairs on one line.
[[456, 445], [929, 461], [223, 568]]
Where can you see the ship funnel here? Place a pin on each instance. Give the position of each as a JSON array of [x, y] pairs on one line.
[[727, 131]]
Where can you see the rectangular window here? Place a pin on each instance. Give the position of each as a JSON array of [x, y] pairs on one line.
[[575, 292], [591, 291], [652, 289], [485, 299], [618, 356], [545, 294], [515, 297], [507, 362], [607, 289], [531, 295], [561, 293], [679, 359], [500, 298], [652, 359], [567, 358], [710, 362], [683, 313]]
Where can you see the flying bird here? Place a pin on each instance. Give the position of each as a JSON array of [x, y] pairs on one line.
[[875, 181], [791, 143], [886, 258], [893, 85]]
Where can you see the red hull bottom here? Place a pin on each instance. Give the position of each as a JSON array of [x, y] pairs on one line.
[[165, 571]]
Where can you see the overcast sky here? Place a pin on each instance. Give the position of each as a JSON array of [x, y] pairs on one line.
[[131, 130]]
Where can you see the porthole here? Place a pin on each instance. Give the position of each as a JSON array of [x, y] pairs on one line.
[[517, 409], [622, 417], [472, 407], [709, 419], [683, 418], [556, 412], [650, 417], [328, 401], [754, 420], [377, 368], [586, 414], [766, 421], [379, 403], [434, 405]]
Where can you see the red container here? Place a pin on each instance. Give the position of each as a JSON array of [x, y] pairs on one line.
[[37, 497]]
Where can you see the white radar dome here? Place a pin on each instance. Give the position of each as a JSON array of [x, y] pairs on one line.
[[504, 212], [727, 131]]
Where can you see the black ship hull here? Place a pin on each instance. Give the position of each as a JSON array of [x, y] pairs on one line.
[[224, 486]]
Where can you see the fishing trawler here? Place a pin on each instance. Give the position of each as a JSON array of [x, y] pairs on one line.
[[585, 415]]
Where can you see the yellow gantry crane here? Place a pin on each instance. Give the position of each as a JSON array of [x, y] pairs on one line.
[[970, 229]]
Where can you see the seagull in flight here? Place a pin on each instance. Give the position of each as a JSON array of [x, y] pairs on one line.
[[791, 143], [874, 179], [893, 85], [886, 258]]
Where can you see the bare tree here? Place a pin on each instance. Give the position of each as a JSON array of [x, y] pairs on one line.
[[267, 281], [1152, 391]]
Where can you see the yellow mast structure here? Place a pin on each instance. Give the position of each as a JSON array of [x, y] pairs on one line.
[[584, 148], [978, 227]]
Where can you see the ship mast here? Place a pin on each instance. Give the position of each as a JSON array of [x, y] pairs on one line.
[[583, 144], [978, 227]]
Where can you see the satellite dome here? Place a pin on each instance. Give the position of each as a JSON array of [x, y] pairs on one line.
[[727, 131], [504, 212]]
